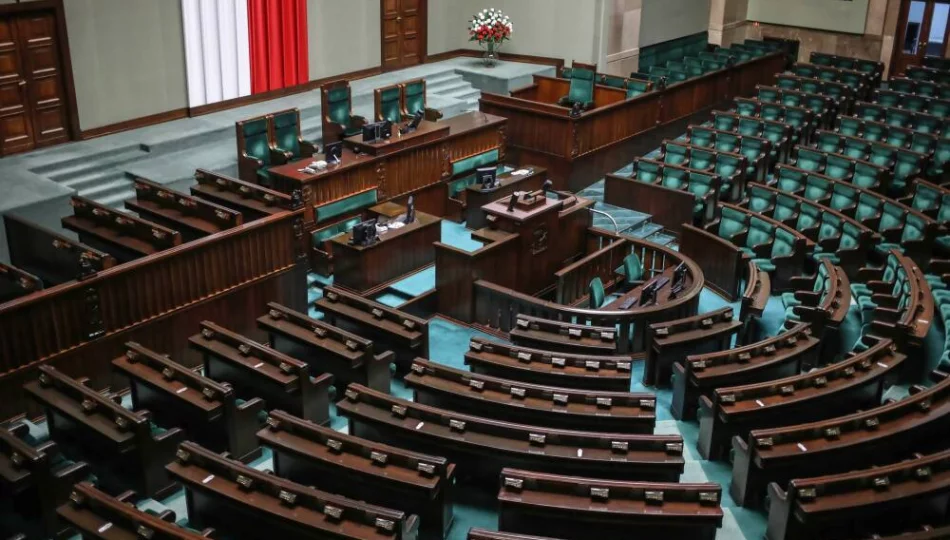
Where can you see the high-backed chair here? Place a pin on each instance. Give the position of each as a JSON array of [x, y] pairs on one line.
[[414, 100], [289, 144], [582, 86], [339, 121], [254, 149], [388, 103]]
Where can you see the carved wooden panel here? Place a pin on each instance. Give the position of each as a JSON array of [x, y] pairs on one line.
[[16, 128]]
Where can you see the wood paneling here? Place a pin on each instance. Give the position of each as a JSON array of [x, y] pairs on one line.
[[16, 126], [403, 27]]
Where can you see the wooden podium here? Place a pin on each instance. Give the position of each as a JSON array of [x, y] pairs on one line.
[[551, 232]]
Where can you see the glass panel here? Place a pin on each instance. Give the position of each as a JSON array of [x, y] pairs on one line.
[[915, 20], [938, 29]]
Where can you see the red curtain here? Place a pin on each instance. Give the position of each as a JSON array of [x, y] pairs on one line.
[[278, 36]]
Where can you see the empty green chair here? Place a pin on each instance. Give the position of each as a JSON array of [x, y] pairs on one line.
[[772, 111], [597, 293], [868, 176], [702, 185], [800, 119], [844, 198], [915, 229], [581, 89], [869, 210], [939, 108], [637, 87], [790, 180], [941, 156], [869, 111], [786, 82], [728, 142], [886, 98], [856, 148], [769, 94], [829, 232], [647, 171], [632, 270], [732, 223], [796, 99], [724, 121], [613, 81], [923, 143], [882, 155], [808, 159], [756, 151], [783, 247], [778, 135], [674, 178], [288, 141], [827, 141], [674, 154], [786, 209], [414, 101], [931, 124], [760, 235], [388, 104], [897, 117], [817, 189], [809, 219], [761, 200], [821, 59], [339, 121], [850, 126], [926, 199], [905, 85], [918, 104], [839, 167], [900, 137], [700, 136], [892, 218], [907, 166], [702, 160], [750, 127], [729, 167], [254, 150], [821, 282], [746, 107]]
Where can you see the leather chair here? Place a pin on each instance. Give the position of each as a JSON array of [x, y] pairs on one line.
[[388, 104], [254, 149], [289, 144], [414, 100], [582, 86], [339, 121]]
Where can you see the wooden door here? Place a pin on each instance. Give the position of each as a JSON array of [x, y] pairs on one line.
[[403, 33], [44, 77], [922, 31], [16, 122]]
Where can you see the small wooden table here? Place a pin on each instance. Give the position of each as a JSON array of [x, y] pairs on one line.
[[397, 252], [476, 196], [663, 295], [389, 210]]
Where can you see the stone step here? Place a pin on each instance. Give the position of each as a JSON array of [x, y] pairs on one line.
[[63, 173], [442, 76], [438, 86], [94, 178], [465, 94], [114, 155], [108, 193]]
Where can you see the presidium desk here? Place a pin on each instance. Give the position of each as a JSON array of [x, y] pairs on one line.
[[578, 150], [418, 163]]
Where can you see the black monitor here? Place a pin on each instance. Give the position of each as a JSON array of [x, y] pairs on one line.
[[679, 274], [385, 130], [487, 177], [333, 152], [411, 210], [364, 233], [370, 132], [648, 295], [416, 119]]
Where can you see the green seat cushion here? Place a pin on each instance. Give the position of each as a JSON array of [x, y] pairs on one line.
[[469, 164], [415, 97], [256, 143], [322, 235], [285, 132], [344, 206], [389, 105]]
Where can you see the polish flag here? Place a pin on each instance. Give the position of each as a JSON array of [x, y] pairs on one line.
[[235, 48]]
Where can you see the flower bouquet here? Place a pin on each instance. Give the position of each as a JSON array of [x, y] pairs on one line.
[[490, 28]]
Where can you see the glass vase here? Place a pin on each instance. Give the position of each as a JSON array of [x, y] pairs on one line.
[[490, 58]]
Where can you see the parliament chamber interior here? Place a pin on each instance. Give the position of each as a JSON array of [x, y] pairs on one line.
[[428, 269]]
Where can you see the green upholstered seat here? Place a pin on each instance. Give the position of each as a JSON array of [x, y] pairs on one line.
[[889, 99], [901, 84], [256, 143], [900, 137], [786, 82], [636, 88], [906, 167], [775, 133], [882, 155], [581, 89], [322, 235], [728, 142], [674, 178], [389, 105], [339, 110], [821, 282], [613, 81], [469, 164], [930, 124], [856, 148], [797, 118], [867, 176], [844, 198], [821, 59], [745, 107], [783, 243], [770, 95], [786, 208], [892, 217], [852, 127], [287, 133], [809, 160], [941, 156], [647, 171], [790, 180], [869, 208], [830, 228], [895, 117], [921, 142], [347, 205], [938, 107], [632, 269], [827, 141], [675, 154], [760, 232], [920, 104], [729, 168], [752, 149], [809, 218], [597, 293], [414, 99], [868, 111], [750, 127], [731, 223], [760, 200], [772, 111], [700, 185], [803, 70], [817, 188], [702, 160], [839, 167], [700, 136], [791, 99], [724, 122], [875, 131], [850, 237]]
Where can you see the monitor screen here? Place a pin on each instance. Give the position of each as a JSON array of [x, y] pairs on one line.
[[385, 129], [486, 176], [416, 119], [333, 151], [370, 132]]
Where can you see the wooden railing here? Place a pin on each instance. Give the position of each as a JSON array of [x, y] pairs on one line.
[[574, 279], [497, 306], [721, 261], [68, 316]]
